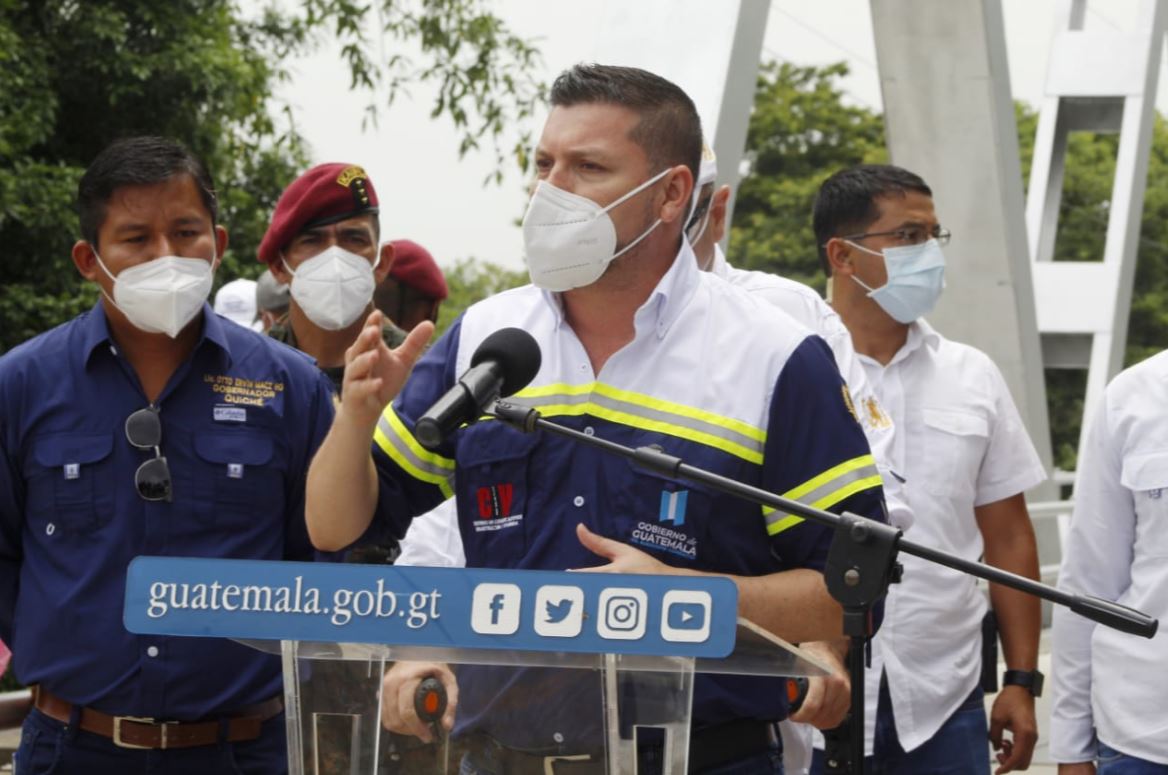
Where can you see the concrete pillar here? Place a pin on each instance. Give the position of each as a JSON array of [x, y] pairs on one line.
[[950, 118]]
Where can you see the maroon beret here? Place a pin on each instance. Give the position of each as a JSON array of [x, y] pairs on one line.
[[414, 266], [325, 194]]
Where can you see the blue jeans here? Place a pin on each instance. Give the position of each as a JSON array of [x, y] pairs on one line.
[[48, 747], [1112, 762], [960, 747]]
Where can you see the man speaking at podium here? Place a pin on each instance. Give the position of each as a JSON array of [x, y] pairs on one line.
[[639, 347]]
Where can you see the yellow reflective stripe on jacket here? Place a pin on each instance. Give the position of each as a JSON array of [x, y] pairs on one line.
[[826, 490], [639, 411], [396, 441]]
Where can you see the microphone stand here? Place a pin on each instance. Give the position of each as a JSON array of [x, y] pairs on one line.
[[861, 561]]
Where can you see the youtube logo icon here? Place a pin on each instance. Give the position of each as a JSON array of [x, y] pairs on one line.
[[685, 616]]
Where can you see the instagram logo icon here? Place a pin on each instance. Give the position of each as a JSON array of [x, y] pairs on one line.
[[622, 614]]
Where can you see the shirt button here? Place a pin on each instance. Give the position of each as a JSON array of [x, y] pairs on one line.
[[558, 737], [50, 529], [589, 431], [152, 651], [578, 500]]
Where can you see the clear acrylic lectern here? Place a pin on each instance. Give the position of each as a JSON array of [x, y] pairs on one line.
[[629, 713]]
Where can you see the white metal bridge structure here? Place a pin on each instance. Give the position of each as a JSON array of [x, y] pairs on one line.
[[949, 116]]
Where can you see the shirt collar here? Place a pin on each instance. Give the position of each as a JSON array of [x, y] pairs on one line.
[[664, 304], [720, 267], [95, 331], [672, 293], [215, 331], [920, 334]]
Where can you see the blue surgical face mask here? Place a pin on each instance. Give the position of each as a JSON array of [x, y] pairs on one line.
[[916, 275]]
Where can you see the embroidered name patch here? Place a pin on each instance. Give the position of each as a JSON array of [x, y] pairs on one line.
[[230, 414]]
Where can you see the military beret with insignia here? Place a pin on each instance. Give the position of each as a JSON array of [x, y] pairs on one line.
[[325, 194]]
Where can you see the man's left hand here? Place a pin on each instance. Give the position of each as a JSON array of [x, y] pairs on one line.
[[622, 558], [1013, 710], [828, 697]]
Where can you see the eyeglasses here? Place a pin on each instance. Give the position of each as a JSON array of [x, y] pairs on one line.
[[909, 235], [144, 431]]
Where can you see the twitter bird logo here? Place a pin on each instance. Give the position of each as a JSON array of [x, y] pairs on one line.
[[557, 612]]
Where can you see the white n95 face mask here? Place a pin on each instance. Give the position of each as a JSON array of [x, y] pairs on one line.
[[916, 275], [333, 288], [569, 239], [162, 295]]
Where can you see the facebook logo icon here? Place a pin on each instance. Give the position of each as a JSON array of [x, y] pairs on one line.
[[496, 606], [494, 609], [686, 616]]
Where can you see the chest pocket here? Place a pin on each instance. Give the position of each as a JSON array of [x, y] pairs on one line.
[[667, 518], [952, 452], [70, 483], [235, 478], [494, 465], [1146, 475]]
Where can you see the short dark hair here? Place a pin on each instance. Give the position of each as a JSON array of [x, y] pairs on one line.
[[670, 131], [846, 202], [137, 161]]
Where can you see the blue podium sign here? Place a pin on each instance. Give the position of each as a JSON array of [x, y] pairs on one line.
[[596, 613]]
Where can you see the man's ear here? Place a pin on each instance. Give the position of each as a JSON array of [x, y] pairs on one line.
[[719, 205], [384, 262], [679, 186], [839, 257], [220, 245], [279, 271], [85, 259]]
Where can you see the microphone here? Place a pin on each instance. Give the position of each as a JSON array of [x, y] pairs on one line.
[[505, 362]]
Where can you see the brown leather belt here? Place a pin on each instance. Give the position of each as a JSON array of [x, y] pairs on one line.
[[138, 732]]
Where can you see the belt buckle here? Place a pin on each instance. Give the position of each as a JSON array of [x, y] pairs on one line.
[[549, 762], [117, 736]]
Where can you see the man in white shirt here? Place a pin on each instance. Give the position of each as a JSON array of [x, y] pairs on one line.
[[1110, 688], [966, 460]]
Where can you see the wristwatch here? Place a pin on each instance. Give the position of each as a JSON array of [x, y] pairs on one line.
[[1030, 679]]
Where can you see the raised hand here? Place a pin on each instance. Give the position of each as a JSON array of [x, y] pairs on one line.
[[374, 374]]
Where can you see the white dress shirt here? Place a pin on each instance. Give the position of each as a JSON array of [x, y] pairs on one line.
[[960, 443], [1106, 684], [433, 539]]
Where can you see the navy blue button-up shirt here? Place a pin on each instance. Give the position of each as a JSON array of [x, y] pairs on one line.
[[241, 418]]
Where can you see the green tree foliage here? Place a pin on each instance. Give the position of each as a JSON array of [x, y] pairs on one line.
[[75, 75], [470, 281], [800, 132]]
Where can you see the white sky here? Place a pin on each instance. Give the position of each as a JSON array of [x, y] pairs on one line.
[[431, 196]]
